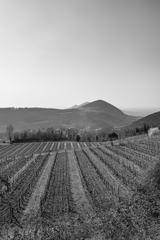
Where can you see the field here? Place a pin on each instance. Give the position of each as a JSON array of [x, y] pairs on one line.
[[62, 190]]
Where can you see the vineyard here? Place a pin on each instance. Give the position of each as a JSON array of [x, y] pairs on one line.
[[61, 190]]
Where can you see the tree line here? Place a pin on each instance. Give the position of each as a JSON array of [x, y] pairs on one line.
[[61, 134], [72, 134]]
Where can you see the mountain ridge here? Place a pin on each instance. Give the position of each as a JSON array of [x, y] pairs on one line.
[[92, 115]]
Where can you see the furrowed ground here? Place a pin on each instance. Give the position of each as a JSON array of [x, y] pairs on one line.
[[70, 190]]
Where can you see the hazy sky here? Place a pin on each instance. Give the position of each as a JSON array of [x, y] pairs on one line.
[[57, 53]]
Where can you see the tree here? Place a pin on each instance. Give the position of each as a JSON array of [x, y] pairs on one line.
[[113, 136], [10, 132], [78, 138], [146, 127]]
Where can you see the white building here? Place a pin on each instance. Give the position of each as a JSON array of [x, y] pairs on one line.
[[153, 131]]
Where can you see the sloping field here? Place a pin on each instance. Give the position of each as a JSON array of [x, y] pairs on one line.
[[61, 190]]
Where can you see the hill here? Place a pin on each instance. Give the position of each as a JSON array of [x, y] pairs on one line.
[[97, 114], [153, 120]]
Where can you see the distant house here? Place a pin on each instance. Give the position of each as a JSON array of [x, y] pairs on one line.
[[153, 131]]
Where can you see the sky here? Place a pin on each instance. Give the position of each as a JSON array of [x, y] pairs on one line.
[[58, 53]]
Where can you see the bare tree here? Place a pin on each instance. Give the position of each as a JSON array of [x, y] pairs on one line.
[[9, 131]]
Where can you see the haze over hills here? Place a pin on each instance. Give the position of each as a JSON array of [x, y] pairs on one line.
[[93, 115], [153, 120], [141, 112]]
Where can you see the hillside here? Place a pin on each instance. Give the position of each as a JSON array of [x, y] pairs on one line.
[[152, 120], [97, 114]]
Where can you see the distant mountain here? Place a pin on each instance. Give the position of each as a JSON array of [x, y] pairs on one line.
[[140, 112], [152, 120], [78, 106], [94, 115]]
